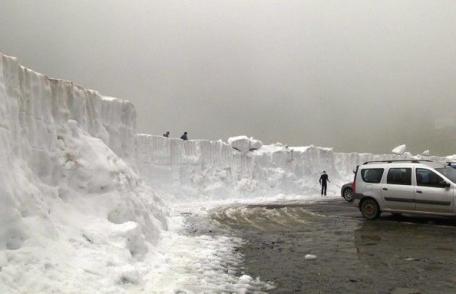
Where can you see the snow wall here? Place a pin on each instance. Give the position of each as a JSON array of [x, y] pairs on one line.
[[74, 214], [205, 169]]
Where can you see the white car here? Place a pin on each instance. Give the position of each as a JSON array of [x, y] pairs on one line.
[[405, 186]]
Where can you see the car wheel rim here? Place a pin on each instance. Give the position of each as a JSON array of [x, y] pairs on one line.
[[369, 209], [348, 194]]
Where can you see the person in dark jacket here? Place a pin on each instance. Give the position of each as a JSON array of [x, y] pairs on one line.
[[184, 136], [324, 183], [166, 135]]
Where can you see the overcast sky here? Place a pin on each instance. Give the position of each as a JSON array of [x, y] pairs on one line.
[[357, 75]]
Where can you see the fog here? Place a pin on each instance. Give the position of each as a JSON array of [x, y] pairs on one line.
[[357, 75]]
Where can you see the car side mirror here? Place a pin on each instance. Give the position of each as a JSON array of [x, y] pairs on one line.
[[444, 184]]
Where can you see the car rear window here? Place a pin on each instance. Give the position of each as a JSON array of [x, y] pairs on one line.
[[399, 176], [372, 175]]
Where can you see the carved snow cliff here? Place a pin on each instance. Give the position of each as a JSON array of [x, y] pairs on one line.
[[202, 169], [73, 213]]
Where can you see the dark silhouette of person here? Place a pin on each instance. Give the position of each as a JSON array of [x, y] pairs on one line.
[[166, 134], [184, 136], [324, 183]]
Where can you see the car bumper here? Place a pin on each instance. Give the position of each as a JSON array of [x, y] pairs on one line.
[[357, 196], [356, 202], [357, 199]]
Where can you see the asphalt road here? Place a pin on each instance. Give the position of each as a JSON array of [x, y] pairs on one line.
[[327, 247]]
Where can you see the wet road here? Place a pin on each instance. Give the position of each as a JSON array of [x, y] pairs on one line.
[[345, 253]]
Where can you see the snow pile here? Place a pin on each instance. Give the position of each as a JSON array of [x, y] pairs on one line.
[[74, 215], [244, 143]]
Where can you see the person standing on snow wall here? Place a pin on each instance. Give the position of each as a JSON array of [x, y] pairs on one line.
[[184, 136], [324, 183]]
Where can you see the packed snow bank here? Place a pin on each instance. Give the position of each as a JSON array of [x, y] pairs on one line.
[[74, 215], [203, 169]]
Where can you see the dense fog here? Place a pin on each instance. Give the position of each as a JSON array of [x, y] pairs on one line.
[[357, 75]]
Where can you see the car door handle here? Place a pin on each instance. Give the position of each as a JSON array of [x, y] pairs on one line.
[[385, 189], [420, 192]]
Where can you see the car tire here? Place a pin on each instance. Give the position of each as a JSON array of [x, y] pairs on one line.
[[347, 194], [370, 209]]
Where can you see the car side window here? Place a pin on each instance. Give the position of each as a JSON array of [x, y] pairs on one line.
[[399, 176], [372, 175], [428, 178]]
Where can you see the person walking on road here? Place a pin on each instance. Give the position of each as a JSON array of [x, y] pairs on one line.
[[184, 136], [324, 183]]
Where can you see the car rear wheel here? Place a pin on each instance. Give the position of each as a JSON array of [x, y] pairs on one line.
[[370, 209], [348, 194]]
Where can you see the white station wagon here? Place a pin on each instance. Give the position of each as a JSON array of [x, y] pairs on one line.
[[405, 186]]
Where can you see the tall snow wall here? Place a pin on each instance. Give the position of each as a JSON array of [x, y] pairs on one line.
[[205, 169], [73, 213]]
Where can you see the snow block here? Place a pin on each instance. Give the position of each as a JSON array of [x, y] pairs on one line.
[[240, 143], [244, 143], [399, 150], [255, 144]]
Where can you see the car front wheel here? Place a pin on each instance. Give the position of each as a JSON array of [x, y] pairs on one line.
[[370, 209], [348, 194]]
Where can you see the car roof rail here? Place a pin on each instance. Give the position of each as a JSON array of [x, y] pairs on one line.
[[398, 160]]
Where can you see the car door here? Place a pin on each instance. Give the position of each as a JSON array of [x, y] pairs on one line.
[[432, 195], [398, 192]]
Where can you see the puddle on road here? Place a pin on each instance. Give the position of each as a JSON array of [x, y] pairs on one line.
[[265, 217], [352, 255]]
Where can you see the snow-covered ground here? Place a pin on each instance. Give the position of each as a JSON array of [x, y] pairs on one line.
[[89, 206], [199, 263]]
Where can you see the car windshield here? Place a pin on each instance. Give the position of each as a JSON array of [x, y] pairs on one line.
[[448, 172]]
